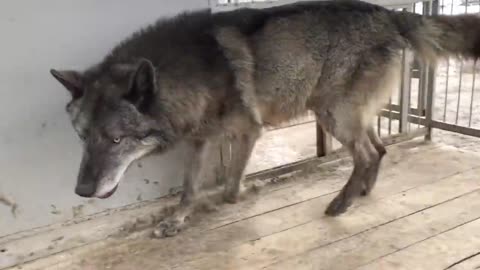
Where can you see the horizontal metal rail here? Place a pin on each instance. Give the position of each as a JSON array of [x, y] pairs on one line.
[[215, 6], [436, 124]]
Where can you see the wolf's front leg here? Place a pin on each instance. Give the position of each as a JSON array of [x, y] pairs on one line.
[[242, 147], [175, 223]]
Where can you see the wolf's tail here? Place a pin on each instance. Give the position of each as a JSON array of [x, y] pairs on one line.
[[434, 37]]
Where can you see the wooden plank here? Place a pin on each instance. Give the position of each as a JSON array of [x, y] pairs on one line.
[[381, 241], [38, 243], [439, 252], [321, 231], [472, 261], [293, 229]]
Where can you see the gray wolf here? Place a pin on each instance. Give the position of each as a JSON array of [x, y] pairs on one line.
[[198, 75]]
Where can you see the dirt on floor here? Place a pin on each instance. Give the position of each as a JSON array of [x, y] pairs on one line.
[[9, 203]]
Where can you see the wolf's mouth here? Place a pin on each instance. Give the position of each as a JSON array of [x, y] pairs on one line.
[[108, 194]]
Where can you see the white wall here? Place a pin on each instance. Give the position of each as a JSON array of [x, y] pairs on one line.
[[39, 152]]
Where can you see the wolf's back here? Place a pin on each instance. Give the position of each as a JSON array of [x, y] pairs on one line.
[[433, 37]]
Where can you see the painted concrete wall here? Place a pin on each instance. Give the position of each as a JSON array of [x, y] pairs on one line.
[[39, 152]]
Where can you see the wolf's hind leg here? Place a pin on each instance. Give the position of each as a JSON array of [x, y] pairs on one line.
[[372, 174], [346, 128], [365, 158]]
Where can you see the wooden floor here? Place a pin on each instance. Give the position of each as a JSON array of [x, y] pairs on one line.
[[423, 214]]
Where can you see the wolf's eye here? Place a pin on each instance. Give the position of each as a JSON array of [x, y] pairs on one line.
[[83, 135], [117, 140]]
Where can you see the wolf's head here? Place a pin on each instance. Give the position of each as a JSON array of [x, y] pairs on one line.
[[112, 113]]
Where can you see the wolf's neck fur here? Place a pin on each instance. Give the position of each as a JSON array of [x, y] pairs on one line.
[[200, 111]]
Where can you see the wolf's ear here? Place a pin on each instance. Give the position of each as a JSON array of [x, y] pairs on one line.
[[142, 85], [71, 80]]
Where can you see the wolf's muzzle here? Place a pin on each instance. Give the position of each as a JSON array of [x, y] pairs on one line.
[[85, 190]]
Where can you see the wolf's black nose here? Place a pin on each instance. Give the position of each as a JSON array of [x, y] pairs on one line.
[[85, 190]]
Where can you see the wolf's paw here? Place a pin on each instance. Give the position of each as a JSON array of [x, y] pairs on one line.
[[256, 187], [175, 191], [367, 187], [170, 227], [338, 206], [365, 190], [207, 206], [231, 197]]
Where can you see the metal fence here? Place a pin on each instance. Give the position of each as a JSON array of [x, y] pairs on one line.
[[454, 107], [447, 93], [440, 97]]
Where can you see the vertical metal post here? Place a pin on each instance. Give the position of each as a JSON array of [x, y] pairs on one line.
[[405, 92], [430, 101], [430, 76], [324, 142], [422, 90], [473, 92], [422, 86], [460, 78], [459, 92], [405, 88], [390, 116]]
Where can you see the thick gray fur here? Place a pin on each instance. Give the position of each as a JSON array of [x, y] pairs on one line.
[[200, 75]]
